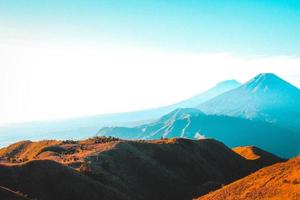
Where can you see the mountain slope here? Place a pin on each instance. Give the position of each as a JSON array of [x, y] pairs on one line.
[[88, 126], [26, 150], [192, 123], [8, 194], [276, 182], [220, 88], [260, 157], [48, 180], [108, 168], [266, 97]]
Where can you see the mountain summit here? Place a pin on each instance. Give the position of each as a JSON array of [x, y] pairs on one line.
[[267, 82], [229, 83], [266, 97], [218, 89]]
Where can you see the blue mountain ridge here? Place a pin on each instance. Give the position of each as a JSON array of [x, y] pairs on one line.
[[83, 127], [266, 97], [233, 131], [264, 111]]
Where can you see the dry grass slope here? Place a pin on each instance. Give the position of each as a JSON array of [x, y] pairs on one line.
[[25, 150], [260, 157], [277, 182]]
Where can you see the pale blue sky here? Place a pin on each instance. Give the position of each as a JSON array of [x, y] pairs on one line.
[[266, 27], [67, 58]]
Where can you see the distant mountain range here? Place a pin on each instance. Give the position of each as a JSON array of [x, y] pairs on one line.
[[220, 88], [264, 111], [233, 131], [83, 127]]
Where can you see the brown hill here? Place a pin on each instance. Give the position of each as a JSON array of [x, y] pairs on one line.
[[260, 157], [25, 150], [276, 182], [117, 169]]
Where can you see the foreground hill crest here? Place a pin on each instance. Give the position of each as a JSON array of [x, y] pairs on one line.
[[119, 169]]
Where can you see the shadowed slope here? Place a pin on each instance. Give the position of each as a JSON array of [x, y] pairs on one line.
[[7, 194], [276, 182], [173, 168], [48, 180]]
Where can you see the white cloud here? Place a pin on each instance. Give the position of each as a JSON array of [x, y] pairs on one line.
[[56, 81]]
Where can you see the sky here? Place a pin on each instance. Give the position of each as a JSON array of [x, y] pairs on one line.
[[68, 58]]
